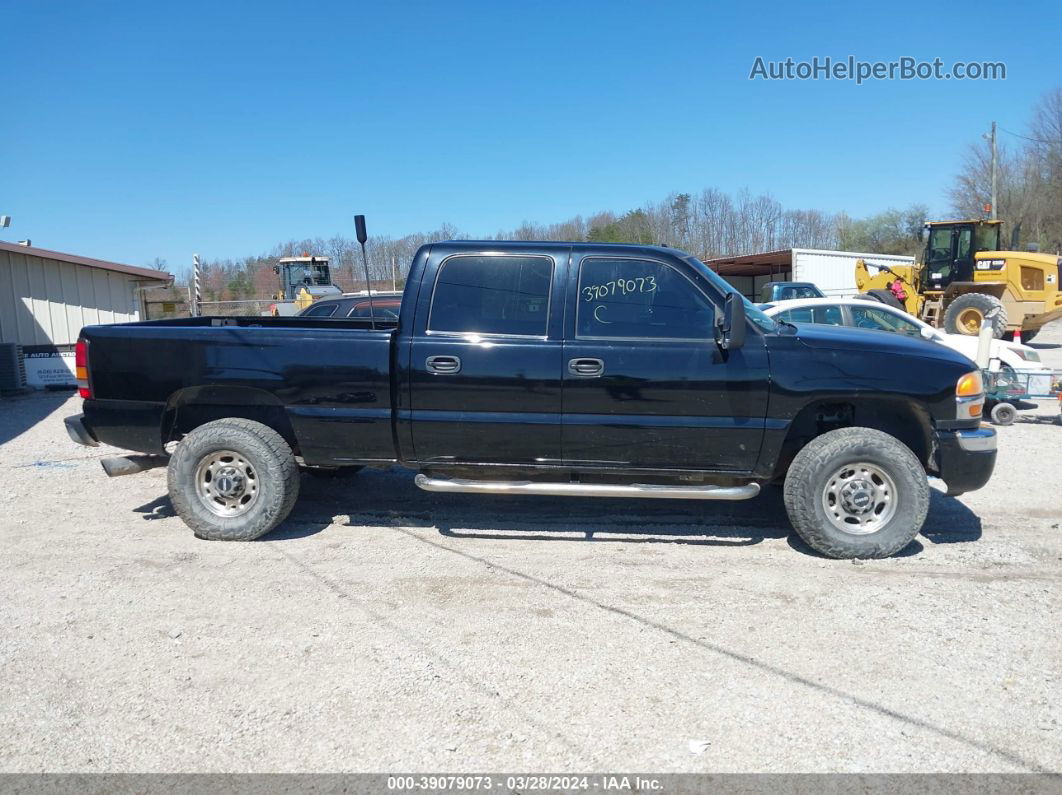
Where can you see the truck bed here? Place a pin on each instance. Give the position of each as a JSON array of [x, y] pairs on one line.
[[330, 379], [267, 322]]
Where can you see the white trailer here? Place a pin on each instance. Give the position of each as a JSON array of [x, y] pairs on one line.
[[833, 272]]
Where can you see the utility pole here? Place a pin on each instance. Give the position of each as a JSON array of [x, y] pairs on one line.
[[394, 275], [995, 168]]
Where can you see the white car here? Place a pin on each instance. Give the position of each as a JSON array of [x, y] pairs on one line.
[[863, 313]]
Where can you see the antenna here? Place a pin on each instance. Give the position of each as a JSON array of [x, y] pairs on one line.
[[359, 226]]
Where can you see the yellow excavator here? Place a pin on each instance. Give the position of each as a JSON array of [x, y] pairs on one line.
[[964, 275]]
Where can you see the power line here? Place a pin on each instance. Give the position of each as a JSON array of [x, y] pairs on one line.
[[1027, 138]]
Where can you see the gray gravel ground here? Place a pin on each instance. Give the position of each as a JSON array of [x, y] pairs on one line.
[[382, 628]]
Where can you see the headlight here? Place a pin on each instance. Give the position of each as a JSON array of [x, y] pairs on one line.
[[969, 396], [1028, 354]]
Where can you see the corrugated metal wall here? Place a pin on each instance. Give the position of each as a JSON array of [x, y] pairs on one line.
[[46, 302], [834, 271]]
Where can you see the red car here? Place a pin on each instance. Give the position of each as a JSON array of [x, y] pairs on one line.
[[385, 306]]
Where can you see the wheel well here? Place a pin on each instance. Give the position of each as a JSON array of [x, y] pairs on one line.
[[909, 424], [955, 289], [187, 409]]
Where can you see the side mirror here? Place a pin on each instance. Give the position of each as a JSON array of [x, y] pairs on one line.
[[730, 328], [928, 333]]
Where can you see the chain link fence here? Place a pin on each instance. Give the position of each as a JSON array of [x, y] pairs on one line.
[[164, 310]]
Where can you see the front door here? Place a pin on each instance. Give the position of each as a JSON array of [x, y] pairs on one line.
[[484, 373], [645, 385], [949, 256]]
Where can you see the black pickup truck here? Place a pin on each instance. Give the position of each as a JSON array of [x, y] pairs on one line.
[[549, 369]]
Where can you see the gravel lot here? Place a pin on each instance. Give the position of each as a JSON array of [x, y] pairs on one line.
[[382, 628]]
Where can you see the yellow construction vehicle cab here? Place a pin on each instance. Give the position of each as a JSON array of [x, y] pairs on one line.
[[303, 280], [964, 275]]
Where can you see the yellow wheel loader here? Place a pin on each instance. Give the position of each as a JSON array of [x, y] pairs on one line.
[[303, 280], [964, 275]]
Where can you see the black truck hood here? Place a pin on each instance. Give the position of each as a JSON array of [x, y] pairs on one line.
[[839, 338]]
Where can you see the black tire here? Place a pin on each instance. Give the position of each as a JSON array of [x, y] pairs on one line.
[[813, 471], [1004, 414], [886, 297], [969, 307], [270, 465]]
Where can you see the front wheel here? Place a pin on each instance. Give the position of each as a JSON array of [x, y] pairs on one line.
[[966, 313], [1004, 414], [856, 493], [233, 480]]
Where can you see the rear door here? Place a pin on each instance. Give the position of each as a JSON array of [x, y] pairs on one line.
[[485, 369], [645, 385]]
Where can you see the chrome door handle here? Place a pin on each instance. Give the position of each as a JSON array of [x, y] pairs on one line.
[[586, 368], [443, 364]]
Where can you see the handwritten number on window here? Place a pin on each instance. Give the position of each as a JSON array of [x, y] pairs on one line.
[[639, 284]]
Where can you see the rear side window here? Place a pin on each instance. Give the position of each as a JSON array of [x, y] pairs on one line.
[[826, 315], [640, 299], [381, 309], [324, 310], [492, 295]]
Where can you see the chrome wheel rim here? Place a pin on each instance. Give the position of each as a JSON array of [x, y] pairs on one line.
[[226, 483], [859, 498]]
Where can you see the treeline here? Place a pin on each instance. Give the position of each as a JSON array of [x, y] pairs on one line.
[[713, 223], [1029, 177], [708, 224]]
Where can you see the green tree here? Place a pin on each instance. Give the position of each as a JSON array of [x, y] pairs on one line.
[[240, 287], [633, 227], [890, 232]]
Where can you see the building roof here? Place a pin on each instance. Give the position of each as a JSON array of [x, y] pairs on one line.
[[771, 263], [145, 274], [753, 264]]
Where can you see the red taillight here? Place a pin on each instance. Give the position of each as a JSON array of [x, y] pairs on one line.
[[81, 368]]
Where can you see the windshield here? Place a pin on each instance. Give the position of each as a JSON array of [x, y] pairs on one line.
[[762, 321], [873, 317], [987, 237]]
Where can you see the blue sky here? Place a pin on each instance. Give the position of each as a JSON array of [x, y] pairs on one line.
[[133, 130]]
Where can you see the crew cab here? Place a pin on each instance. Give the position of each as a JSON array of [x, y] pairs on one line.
[[551, 369]]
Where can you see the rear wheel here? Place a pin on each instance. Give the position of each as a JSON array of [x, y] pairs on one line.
[[856, 493], [233, 480], [886, 297], [1004, 414], [967, 312]]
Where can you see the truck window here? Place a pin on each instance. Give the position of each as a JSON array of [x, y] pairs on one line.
[[636, 298], [324, 310], [492, 295]]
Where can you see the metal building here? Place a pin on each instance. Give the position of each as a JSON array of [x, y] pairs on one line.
[[832, 271], [47, 296]]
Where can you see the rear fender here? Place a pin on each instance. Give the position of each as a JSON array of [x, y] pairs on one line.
[[189, 408]]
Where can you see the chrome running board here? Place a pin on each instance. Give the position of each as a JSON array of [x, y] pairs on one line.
[[641, 490]]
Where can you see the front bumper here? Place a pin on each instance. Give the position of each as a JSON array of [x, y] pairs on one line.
[[965, 459], [79, 432]]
